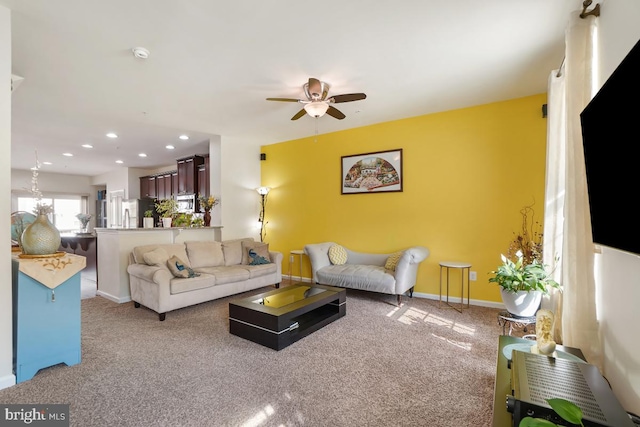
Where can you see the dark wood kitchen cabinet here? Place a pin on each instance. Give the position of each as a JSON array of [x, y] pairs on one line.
[[148, 187], [174, 183], [163, 183], [203, 178], [188, 174]]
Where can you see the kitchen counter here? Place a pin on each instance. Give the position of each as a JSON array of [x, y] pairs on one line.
[[115, 246]]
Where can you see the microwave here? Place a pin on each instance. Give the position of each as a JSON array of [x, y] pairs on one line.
[[186, 203]]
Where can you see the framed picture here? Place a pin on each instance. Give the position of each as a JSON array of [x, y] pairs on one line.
[[378, 172]]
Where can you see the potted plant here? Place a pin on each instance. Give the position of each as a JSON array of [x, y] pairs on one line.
[[522, 285], [523, 278], [147, 221], [167, 208], [182, 220]]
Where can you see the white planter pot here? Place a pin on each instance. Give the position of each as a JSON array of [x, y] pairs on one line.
[[166, 222], [147, 222], [522, 303]]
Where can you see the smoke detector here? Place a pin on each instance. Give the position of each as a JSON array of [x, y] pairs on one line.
[[140, 52]]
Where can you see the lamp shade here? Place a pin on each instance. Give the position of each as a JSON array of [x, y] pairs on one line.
[[263, 191], [316, 108]]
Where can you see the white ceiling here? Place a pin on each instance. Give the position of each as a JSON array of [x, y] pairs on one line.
[[212, 64]]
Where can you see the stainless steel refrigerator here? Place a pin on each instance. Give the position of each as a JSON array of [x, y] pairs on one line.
[[133, 211]]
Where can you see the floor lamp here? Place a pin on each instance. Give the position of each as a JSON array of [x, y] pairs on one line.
[[263, 192]]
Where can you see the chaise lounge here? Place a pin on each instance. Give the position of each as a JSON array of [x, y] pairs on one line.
[[395, 274]]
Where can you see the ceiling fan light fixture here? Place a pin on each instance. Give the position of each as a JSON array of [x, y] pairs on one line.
[[316, 108]]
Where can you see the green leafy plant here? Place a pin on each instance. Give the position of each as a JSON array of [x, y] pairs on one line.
[[148, 214], [182, 220], [167, 208], [565, 409], [518, 276]]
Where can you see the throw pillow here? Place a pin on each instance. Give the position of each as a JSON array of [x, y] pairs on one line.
[[260, 248], [337, 255], [179, 269], [256, 259], [392, 261], [157, 256]]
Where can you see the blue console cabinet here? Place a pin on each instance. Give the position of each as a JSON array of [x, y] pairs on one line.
[[46, 324]]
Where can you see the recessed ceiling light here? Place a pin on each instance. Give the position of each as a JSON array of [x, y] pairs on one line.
[[183, 137], [119, 162], [169, 147], [67, 154], [47, 163], [87, 145], [140, 52], [142, 155], [112, 135]]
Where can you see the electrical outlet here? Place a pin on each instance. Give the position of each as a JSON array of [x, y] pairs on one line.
[[473, 276]]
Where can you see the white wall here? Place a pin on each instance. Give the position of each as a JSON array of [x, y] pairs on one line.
[[240, 203], [619, 281], [6, 343]]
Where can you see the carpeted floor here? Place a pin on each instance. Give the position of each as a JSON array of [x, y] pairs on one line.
[[380, 365]]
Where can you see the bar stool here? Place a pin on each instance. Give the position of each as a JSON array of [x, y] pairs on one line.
[[462, 266]]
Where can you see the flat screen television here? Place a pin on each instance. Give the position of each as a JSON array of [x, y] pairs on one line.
[[610, 129]]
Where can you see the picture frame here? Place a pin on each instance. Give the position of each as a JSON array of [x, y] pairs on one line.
[[376, 172]]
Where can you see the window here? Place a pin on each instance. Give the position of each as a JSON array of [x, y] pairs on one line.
[[65, 209]]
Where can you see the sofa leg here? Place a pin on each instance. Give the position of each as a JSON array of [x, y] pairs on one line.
[[136, 304], [399, 300], [411, 292], [162, 316], [277, 285]]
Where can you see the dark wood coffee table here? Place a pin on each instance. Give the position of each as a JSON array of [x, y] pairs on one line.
[[283, 316]]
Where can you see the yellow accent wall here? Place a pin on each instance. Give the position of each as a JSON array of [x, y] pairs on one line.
[[466, 175]]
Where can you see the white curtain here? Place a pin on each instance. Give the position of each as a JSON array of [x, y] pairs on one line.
[[567, 225]]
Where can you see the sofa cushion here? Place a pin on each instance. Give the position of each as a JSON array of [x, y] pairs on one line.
[[158, 256], [177, 249], [232, 250], [179, 269], [261, 270], [366, 277], [205, 254], [180, 285], [392, 261], [227, 274], [337, 255], [259, 248]]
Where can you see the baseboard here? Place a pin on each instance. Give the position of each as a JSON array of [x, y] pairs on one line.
[[112, 298], [297, 279], [7, 381], [456, 300], [453, 300]]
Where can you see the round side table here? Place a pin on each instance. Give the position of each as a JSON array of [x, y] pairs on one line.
[[465, 269], [507, 319], [292, 255]]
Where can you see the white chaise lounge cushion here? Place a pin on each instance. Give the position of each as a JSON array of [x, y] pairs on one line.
[[365, 277]]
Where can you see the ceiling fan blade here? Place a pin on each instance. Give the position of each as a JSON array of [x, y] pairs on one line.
[[315, 88], [348, 97], [334, 112], [283, 99], [299, 114]]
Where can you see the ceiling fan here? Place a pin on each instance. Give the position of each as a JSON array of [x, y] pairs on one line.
[[317, 103]]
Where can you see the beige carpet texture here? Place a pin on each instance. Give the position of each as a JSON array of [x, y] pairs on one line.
[[380, 365]]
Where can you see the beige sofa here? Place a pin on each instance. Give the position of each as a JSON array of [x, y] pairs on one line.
[[220, 269]]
